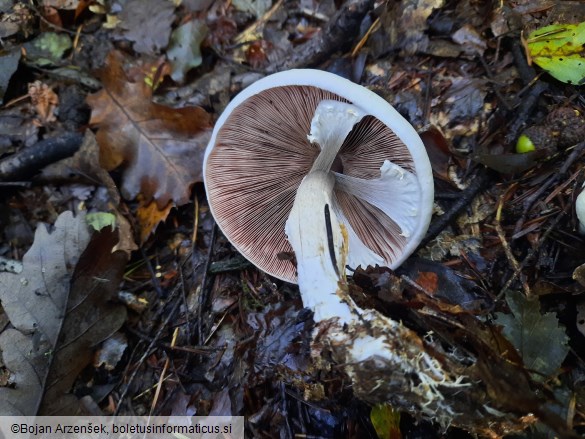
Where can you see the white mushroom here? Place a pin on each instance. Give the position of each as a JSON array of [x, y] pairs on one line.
[[348, 179], [580, 210]]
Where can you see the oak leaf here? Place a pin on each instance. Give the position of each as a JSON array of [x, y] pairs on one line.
[[161, 147], [59, 309]]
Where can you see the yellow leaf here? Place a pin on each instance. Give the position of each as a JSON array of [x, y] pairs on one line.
[[558, 49]]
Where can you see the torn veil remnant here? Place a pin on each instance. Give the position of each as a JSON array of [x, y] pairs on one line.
[[309, 162]]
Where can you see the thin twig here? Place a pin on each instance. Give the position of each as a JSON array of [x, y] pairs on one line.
[[530, 254], [517, 267]]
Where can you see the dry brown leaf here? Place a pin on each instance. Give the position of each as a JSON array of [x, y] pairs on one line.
[[161, 147], [126, 242], [149, 216], [45, 102]]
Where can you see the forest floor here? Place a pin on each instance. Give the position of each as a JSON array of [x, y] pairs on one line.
[[106, 110]]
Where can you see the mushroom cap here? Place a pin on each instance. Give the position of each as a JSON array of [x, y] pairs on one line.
[[260, 151]]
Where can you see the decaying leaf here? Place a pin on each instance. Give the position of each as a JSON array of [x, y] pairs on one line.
[[147, 23], [539, 339], [8, 64], [111, 352], [44, 100], [406, 23], [254, 7], [35, 302], [386, 421], [58, 307], [184, 50], [510, 163], [90, 318], [149, 216], [47, 49], [161, 147], [558, 49], [26, 364]]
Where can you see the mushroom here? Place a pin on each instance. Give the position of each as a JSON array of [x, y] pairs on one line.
[[580, 210], [307, 162], [260, 151]]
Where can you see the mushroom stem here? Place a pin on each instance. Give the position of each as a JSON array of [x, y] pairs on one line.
[[332, 122], [382, 357]]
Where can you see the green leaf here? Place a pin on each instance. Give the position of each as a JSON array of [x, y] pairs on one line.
[[48, 48], [558, 49], [386, 421], [538, 338], [184, 49], [100, 220]]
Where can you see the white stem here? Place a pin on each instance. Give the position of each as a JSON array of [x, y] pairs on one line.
[[371, 346], [331, 123]]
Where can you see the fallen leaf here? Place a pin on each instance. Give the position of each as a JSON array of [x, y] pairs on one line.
[[59, 308], [162, 147], [254, 7], [47, 49], [8, 64], [147, 23], [470, 39], [125, 236], [44, 100], [406, 23], [510, 163], [26, 364], [111, 352], [446, 286], [99, 220], [184, 50], [558, 49], [61, 4], [538, 338], [386, 421], [90, 318], [149, 216], [35, 302]]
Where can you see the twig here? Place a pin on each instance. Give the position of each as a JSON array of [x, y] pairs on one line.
[[333, 38], [163, 374], [517, 267], [530, 254], [26, 162]]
